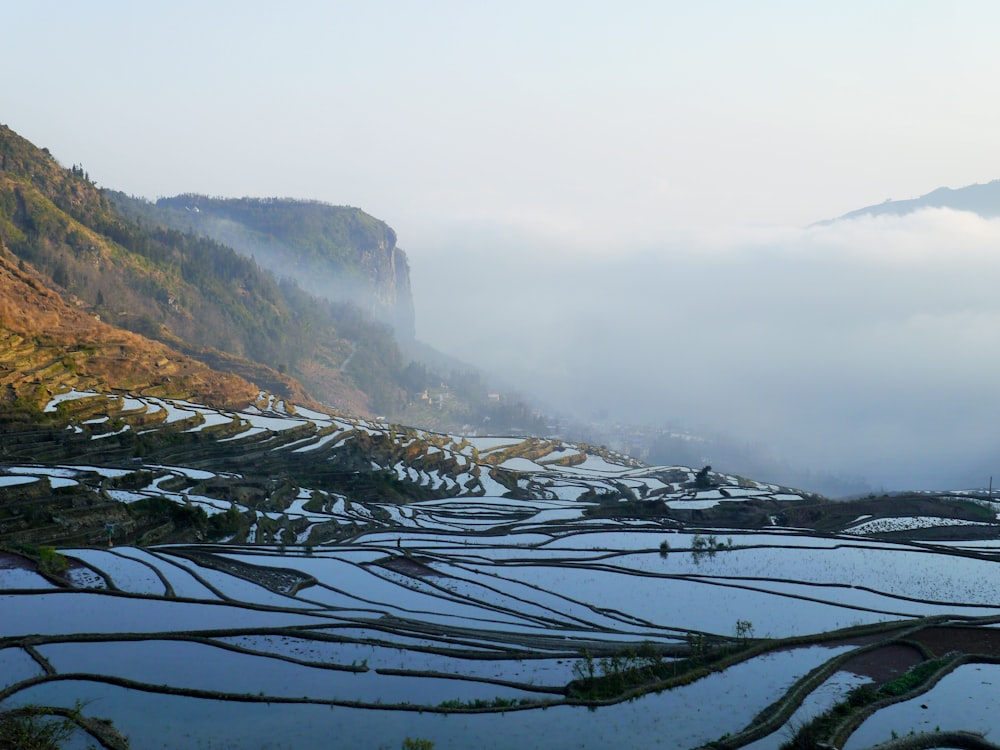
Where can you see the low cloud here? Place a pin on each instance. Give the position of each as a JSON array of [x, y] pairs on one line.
[[863, 347]]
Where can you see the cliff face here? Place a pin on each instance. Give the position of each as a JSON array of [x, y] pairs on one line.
[[393, 292], [337, 252]]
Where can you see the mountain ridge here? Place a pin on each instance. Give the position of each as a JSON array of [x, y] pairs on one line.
[[981, 198], [188, 293]]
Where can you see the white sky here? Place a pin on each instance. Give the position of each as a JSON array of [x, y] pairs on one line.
[[608, 197], [604, 121]]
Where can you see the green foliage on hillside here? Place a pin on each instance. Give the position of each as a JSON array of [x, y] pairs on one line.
[[120, 258], [32, 728]]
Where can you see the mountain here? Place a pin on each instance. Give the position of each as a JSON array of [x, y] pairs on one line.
[[190, 292], [982, 199], [146, 268], [338, 253]]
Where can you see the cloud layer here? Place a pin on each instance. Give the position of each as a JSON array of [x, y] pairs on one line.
[[864, 347]]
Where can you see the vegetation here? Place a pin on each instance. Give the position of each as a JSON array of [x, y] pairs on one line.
[[33, 728], [820, 729], [912, 678], [701, 479], [316, 231], [483, 704], [46, 558], [702, 547], [642, 668]]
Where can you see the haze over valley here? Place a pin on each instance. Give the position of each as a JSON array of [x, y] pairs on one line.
[[613, 216], [862, 348]]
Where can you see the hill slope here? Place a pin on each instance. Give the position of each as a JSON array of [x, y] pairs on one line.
[[48, 345]]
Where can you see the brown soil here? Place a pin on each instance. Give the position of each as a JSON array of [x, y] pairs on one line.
[[941, 640], [10, 561], [889, 662], [885, 664]]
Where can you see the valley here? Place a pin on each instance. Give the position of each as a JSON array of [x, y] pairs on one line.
[[270, 576]]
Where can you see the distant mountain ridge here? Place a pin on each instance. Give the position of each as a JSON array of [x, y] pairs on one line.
[[981, 199]]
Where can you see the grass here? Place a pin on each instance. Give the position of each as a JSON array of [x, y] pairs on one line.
[[643, 669], [46, 558], [912, 678], [481, 703]]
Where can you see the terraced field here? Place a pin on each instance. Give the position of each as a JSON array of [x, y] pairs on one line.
[[374, 583]]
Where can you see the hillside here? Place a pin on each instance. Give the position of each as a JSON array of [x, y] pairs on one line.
[[982, 199], [48, 345], [122, 260]]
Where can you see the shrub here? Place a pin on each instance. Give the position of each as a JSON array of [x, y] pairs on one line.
[[32, 728]]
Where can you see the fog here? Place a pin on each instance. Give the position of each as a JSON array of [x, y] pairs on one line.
[[865, 348]]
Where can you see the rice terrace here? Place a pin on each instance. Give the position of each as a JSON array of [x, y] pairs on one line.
[[175, 575]]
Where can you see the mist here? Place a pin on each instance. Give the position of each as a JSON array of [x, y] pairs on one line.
[[863, 348]]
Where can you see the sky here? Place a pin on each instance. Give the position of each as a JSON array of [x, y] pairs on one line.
[[622, 193]]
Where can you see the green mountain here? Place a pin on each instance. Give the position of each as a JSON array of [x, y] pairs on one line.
[[48, 345], [191, 292]]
